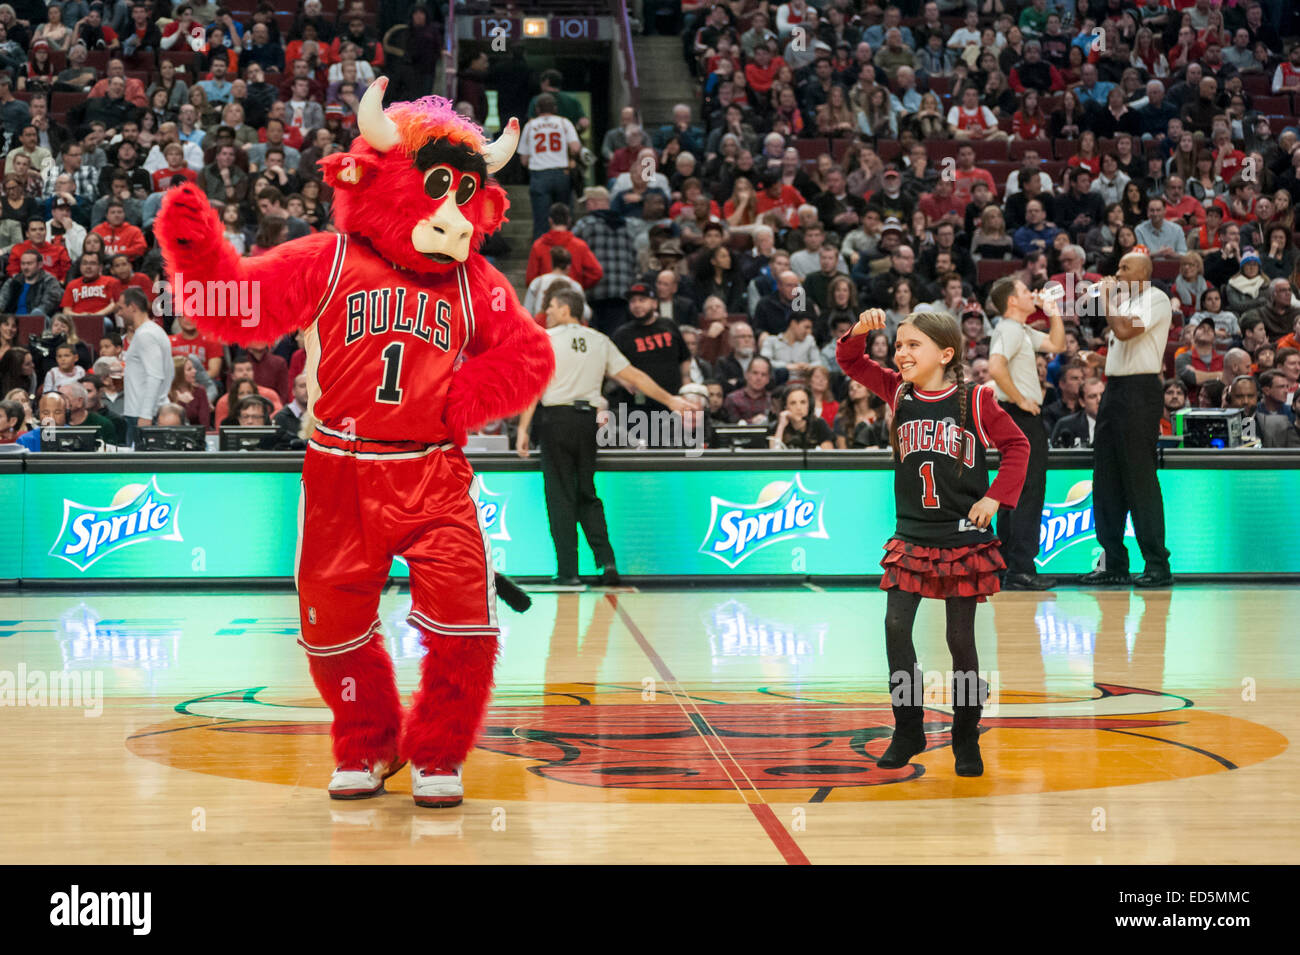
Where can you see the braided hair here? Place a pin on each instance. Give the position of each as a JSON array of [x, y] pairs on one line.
[[942, 329]]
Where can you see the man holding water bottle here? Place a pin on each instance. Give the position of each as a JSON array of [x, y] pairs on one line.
[[1014, 371]]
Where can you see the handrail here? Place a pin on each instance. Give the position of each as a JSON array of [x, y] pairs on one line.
[[629, 56], [451, 65]]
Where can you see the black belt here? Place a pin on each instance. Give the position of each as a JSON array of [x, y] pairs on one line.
[[574, 406]]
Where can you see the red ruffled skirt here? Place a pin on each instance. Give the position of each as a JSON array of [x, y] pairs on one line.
[[943, 571]]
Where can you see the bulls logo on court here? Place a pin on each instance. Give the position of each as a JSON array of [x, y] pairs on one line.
[[796, 743]]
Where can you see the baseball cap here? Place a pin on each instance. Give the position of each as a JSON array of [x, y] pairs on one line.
[[691, 388], [671, 247], [1248, 254], [639, 288], [1205, 321], [891, 171], [892, 225], [115, 368]]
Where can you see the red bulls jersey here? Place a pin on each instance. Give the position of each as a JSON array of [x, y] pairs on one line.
[[383, 346]]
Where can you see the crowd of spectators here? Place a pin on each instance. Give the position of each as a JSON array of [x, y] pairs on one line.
[[842, 156], [103, 107]]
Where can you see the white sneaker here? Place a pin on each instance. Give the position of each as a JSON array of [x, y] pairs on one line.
[[360, 781], [436, 788]]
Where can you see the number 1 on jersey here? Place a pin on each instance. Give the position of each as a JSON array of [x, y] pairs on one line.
[[389, 393], [929, 498]]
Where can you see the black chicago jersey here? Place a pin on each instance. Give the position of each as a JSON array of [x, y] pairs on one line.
[[933, 493]]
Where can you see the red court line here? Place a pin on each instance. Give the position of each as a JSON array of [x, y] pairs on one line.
[[780, 836]]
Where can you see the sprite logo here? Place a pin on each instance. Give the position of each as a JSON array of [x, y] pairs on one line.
[[139, 513], [1068, 523], [785, 510], [491, 510]]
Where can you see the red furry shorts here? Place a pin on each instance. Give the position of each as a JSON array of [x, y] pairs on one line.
[[942, 571]]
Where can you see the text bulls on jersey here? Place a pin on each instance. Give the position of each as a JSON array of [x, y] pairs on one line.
[[381, 311]]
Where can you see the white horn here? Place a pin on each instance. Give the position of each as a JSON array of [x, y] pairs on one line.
[[376, 128], [498, 153]]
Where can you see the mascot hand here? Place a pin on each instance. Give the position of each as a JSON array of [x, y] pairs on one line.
[[188, 218]]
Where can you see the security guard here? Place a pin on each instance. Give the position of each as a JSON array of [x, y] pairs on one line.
[[1124, 476], [567, 433]]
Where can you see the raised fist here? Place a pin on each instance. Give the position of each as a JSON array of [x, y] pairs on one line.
[[869, 320]]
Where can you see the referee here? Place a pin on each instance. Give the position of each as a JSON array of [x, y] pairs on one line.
[[566, 430], [1124, 443]]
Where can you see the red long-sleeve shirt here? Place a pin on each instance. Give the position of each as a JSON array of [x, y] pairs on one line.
[[993, 425], [125, 239]]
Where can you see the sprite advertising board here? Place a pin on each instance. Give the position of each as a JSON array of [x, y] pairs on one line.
[[682, 522]]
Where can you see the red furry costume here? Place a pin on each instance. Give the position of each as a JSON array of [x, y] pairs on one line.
[[412, 339]]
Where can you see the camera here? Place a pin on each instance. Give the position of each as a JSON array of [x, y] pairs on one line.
[[42, 346]]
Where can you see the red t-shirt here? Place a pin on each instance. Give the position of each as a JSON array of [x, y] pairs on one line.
[[935, 208], [1028, 127], [968, 177], [1093, 165], [205, 348], [85, 297], [1233, 160], [761, 79], [54, 257], [163, 177], [788, 204], [142, 282]]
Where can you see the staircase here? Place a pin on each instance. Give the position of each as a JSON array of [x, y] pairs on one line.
[[519, 233], [664, 80]]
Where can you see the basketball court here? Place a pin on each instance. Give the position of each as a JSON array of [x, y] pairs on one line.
[[685, 726]]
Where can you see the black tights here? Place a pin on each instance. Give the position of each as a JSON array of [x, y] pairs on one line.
[[900, 612]]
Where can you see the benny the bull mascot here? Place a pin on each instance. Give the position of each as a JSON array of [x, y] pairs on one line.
[[412, 340]]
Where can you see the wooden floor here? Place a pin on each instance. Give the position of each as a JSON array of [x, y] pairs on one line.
[[665, 727]]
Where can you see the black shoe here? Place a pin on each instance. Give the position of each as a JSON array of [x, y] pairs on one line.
[[1150, 578], [966, 733], [1105, 578], [967, 760], [509, 591], [1027, 582], [567, 583], [908, 740], [609, 577]]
